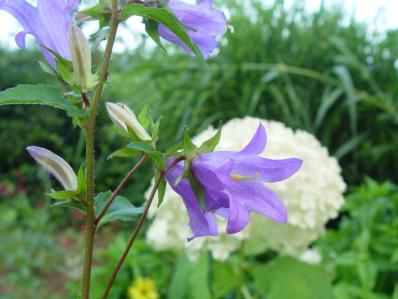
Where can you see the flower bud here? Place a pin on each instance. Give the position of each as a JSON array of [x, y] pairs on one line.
[[81, 59], [55, 165], [124, 118]]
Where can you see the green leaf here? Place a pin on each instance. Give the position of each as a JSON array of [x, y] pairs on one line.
[[179, 283], [225, 279], [81, 180], [123, 153], [199, 278], [285, 277], [121, 208], [72, 204], [155, 155], [151, 27], [63, 195], [161, 191], [101, 11], [190, 279], [165, 17], [39, 95], [209, 145]]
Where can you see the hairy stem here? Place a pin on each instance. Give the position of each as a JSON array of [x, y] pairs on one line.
[[119, 188], [90, 225], [137, 228]]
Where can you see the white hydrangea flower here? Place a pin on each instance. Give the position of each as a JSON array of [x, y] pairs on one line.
[[312, 196]]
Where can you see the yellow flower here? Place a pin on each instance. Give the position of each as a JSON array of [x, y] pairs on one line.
[[143, 288]]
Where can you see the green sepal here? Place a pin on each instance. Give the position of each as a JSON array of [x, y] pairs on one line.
[[47, 68], [190, 149], [198, 190], [64, 67], [144, 117], [81, 182], [209, 145], [161, 191], [151, 27]]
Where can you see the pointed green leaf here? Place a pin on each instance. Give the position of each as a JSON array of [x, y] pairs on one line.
[[72, 204], [123, 153], [155, 155], [121, 208], [63, 195], [39, 95]]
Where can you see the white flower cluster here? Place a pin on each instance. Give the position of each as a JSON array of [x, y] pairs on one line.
[[312, 197]]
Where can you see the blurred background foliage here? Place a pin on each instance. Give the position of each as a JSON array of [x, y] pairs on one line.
[[321, 72]]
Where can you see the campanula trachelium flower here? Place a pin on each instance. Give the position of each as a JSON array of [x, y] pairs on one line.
[[234, 186]]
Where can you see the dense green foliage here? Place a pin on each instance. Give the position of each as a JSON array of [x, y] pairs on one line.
[[307, 70]]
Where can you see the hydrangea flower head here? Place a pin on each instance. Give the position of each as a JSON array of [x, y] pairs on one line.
[[48, 22], [233, 184], [204, 22]]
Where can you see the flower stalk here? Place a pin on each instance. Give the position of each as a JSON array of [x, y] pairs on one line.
[[90, 222], [138, 227]]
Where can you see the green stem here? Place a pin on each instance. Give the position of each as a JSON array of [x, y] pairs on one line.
[[90, 225], [137, 228], [241, 267], [120, 187]]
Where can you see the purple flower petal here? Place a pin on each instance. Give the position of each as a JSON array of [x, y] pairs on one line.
[[266, 170], [210, 174], [49, 23], [257, 143], [255, 197], [238, 215], [200, 223], [205, 23]]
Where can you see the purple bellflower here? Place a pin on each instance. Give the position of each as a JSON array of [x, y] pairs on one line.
[[233, 184], [49, 23], [205, 23]]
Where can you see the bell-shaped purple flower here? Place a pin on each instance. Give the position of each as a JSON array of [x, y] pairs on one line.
[[48, 22], [233, 184], [204, 22]]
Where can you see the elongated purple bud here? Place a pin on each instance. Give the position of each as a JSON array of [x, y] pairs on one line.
[[55, 165]]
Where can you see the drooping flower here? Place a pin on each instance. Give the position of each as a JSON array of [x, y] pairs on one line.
[[55, 165], [143, 288], [204, 24], [311, 200], [124, 118], [48, 22], [233, 184]]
